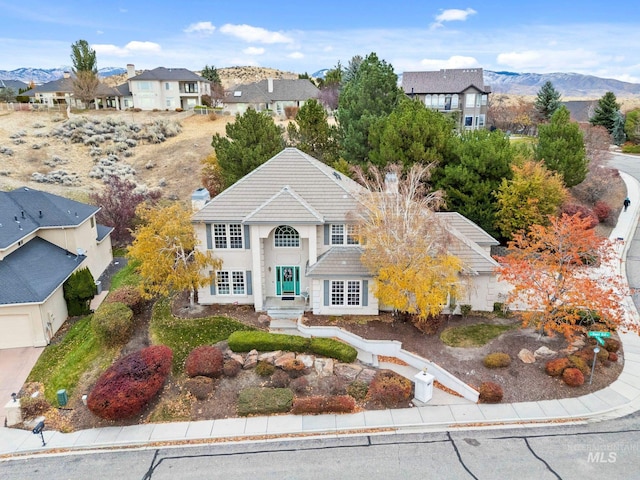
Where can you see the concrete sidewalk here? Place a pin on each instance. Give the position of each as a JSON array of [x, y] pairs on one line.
[[442, 413]]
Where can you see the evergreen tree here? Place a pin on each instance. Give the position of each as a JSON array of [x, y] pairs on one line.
[[249, 142], [606, 112], [369, 96], [561, 148], [632, 125], [78, 291], [312, 133], [211, 74], [85, 68], [547, 101]]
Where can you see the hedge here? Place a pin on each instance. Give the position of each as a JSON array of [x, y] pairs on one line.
[[257, 401], [265, 342]]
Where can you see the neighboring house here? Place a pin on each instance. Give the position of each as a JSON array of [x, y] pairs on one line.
[[60, 92], [15, 85], [581, 110], [286, 241], [164, 88], [44, 238], [460, 92], [271, 94]]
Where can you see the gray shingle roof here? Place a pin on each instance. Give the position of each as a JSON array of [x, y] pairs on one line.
[[15, 85], [339, 262], [24, 210], [444, 81], [323, 189], [475, 260], [286, 200], [468, 228], [283, 90], [65, 85], [34, 271], [103, 231], [169, 74]]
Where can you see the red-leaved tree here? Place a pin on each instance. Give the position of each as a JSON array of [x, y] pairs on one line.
[[564, 276]]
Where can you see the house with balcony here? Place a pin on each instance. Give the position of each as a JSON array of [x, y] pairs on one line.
[[163, 89], [272, 95], [458, 92], [61, 92], [44, 238], [287, 242]]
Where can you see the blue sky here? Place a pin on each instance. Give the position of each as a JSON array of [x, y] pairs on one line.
[[590, 37]]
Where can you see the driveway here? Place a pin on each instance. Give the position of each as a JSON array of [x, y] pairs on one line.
[[15, 365]]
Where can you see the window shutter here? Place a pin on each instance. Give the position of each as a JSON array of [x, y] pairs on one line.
[[249, 284], [209, 239], [327, 234], [212, 286], [326, 292], [365, 293], [247, 238]]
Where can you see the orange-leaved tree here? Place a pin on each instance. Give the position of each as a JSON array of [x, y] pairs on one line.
[[561, 273], [164, 248], [404, 243]]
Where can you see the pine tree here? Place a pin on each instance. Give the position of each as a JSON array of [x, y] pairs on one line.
[[547, 101], [606, 112]]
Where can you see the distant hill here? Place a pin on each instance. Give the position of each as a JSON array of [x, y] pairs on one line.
[[44, 75]]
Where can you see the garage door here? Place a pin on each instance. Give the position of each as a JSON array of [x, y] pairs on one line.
[[15, 331]]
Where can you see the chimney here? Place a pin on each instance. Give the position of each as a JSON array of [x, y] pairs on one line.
[[199, 199], [270, 85], [391, 183], [66, 75], [131, 70]]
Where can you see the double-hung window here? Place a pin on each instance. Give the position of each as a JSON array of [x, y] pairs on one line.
[[342, 234], [346, 293], [230, 282], [227, 235]]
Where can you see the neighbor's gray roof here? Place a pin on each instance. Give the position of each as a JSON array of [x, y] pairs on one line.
[[339, 262], [169, 74], [323, 192], [468, 228], [444, 81], [65, 85], [13, 84], [283, 90], [24, 210], [34, 271]]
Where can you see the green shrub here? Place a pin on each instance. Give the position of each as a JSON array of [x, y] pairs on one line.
[[390, 389], [328, 347], [113, 323], [580, 363], [32, 407], [358, 390], [321, 404], [490, 392], [266, 342], [556, 366], [501, 309], [78, 291], [573, 377], [630, 148], [497, 360], [265, 369], [465, 309], [264, 401]]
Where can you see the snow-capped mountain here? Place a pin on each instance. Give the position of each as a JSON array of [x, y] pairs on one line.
[[44, 75]]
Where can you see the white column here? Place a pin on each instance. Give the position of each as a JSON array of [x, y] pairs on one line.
[[256, 266]]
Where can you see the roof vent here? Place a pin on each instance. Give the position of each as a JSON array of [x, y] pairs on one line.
[[40, 213], [337, 175], [22, 213]]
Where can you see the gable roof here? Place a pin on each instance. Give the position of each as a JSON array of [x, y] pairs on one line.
[[24, 210], [283, 90], [455, 80], [65, 85], [298, 210], [13, 84], [468, 228], [321, 190], [169, 74], [339, 262], [474, 258], [34, 271]]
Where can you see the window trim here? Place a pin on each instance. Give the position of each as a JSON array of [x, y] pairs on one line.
[[348, 235], [233, 278], [231, 242], [278, 237], [344, 292]]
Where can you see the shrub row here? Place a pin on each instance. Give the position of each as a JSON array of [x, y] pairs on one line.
[[263, 341], [126, 387], [258, 401], [320, 404]]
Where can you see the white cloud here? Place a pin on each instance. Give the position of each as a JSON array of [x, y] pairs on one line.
[[203, 28], [548, 61], [454, 15], [456, 61], [253, 51], [296, 55], [129, 49], [99, 32], [254, 34]]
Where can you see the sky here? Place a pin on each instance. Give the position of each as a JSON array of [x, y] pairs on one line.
[[591, 37]]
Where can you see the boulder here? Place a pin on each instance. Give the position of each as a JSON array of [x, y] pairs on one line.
[[284, 358], [264, 319], [269, 357], [366, 375], [526, 356], [307, 360], [251, 361], [544, 352], [324, 367], [347, 371]]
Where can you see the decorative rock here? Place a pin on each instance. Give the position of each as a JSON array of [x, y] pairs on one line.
[[269, 356], [324, 367], [347, 371], [578, 343], [307, 360], [264, 319], [235, 356], [526, 356], [366, 375], [251, 360], [544, 352], [284, 358]]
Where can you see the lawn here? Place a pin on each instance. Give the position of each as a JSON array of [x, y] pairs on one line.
[[473, 335], [126, 276]]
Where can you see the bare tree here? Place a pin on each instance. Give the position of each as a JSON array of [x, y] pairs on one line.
[[85, 69]]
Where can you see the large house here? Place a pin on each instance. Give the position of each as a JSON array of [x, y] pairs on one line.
[[270, 95], [460, 92], [286, 241], [61, 92], [44, 238]]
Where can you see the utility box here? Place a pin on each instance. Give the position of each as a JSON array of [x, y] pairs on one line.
[[424, 386], [98, 287], [62, 397]]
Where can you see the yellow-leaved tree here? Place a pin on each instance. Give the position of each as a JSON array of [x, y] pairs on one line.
[[164, 248], [404, 242]]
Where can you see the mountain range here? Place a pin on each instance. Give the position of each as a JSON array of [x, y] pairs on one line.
[[568, 84]]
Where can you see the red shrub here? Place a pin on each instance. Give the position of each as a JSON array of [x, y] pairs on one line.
[[206, 361], [611, 345], [602, 211], [556, 366], [130, 296], [585, 212], [126, 387], [390, 389], [613, 357], [319, 404], [573, 377], [490, 392]]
